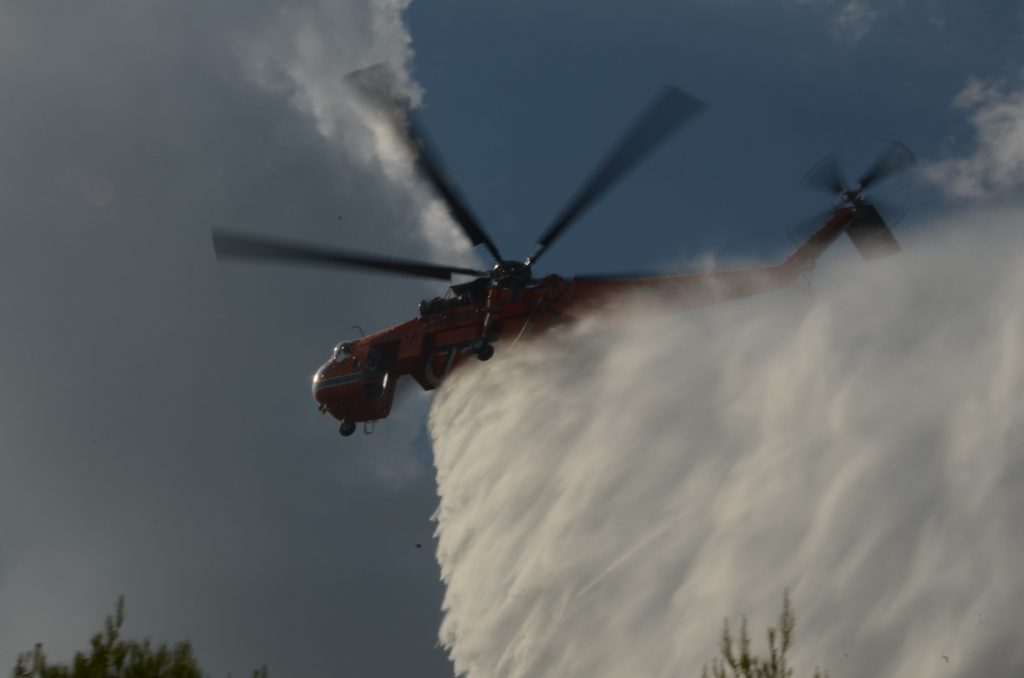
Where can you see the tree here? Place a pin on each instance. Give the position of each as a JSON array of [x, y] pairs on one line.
[[110, 656], [743, 664]]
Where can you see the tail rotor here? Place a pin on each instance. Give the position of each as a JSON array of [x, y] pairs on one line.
[[867, 229]]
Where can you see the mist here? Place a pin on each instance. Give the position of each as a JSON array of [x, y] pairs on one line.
[[610, 493]]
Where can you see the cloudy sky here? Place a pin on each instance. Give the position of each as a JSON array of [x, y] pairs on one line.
[[158, 437]]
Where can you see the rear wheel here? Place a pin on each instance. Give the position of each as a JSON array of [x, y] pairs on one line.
[[485, 352], [347, 427]]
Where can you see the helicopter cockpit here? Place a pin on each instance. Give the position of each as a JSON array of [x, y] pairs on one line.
[[341, 351], [334, 367]]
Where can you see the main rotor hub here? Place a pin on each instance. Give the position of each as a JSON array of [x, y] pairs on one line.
[[511, 275], [851, 196]]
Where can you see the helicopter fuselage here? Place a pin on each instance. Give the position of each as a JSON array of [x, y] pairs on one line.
[[357, 384], [501, 307]]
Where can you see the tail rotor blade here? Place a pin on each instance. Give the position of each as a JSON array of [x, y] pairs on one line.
[[893, 213], [826, 175], [672, 108], [895, 158]]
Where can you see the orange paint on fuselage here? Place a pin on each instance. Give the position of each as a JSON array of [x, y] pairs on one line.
[[358, 383], [353, 386]]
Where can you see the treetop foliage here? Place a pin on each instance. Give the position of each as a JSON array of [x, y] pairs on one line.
[[111, 656], [737, 661]]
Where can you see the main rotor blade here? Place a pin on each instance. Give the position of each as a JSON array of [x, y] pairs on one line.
[[431, 168], [375, 85], [826, 175], [249, 247], [664, 116], [893, 159]]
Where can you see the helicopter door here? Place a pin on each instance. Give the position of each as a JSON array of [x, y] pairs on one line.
[[376, 378], [373, 358]]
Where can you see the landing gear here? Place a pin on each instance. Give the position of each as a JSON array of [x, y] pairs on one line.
[[483, 349], [347, 427]]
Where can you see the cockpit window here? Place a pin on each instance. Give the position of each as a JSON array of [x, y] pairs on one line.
[[342, 351]]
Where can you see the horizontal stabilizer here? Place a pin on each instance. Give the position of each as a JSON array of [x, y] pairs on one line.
[[870, 235]]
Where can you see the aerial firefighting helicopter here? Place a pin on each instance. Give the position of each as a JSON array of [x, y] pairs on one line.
[[506, 304]]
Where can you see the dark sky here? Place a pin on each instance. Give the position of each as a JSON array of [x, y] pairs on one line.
[[157, 436]]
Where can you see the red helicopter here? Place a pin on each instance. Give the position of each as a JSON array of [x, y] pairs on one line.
[[507, 304]]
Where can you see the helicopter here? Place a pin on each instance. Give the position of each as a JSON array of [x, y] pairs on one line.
[[507, 304]]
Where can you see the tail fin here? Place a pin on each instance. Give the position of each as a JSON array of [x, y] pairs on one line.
[[870, 235]]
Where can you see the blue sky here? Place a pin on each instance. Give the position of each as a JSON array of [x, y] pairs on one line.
[[158, 436], [523, 98]]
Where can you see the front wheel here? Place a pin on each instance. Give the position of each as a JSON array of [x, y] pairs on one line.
[[347, 428]]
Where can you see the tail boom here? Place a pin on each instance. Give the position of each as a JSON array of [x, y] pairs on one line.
[[862, 223]]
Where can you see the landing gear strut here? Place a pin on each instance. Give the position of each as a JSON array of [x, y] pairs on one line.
[[347, 427], [483, 349]]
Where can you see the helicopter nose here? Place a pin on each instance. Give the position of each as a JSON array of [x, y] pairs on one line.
[[317, 384]]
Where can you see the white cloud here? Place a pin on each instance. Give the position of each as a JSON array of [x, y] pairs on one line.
[[855, 19], [301, 55], [996, 164], [851, 19], [609, 496]]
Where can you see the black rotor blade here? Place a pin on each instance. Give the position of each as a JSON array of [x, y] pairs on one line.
[[249, 247], [826, 175], [376, 85], [891, 212], [430, 167], [893, 159], [664, 116]]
